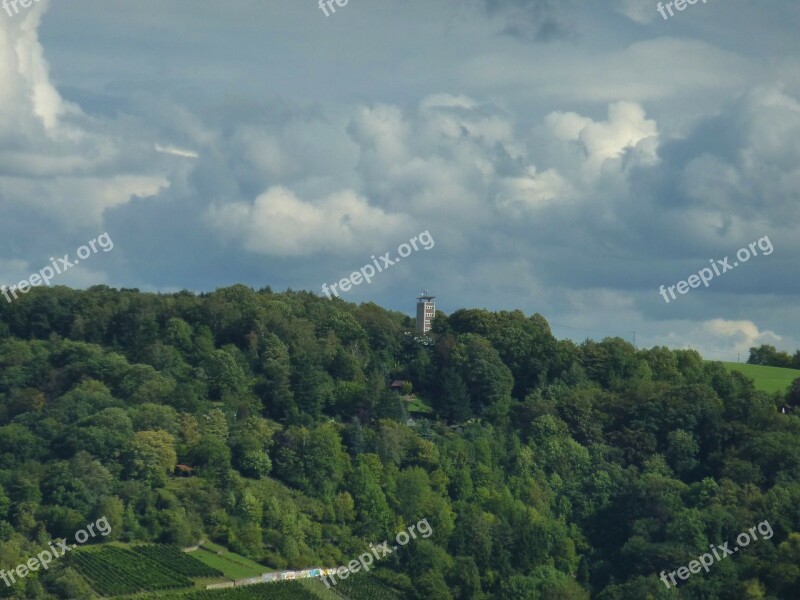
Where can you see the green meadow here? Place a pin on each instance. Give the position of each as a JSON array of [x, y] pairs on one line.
[[768, 379]]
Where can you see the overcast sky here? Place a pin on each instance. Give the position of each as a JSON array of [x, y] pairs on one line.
[[568, 157]]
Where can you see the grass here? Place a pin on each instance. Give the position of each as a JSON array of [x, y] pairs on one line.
[[214, 547], [316, 587], [415, 404], [231, 564], [767, 379]]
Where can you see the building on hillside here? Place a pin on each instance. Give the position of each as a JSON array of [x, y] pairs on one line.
[[426, 310], [397, 385]]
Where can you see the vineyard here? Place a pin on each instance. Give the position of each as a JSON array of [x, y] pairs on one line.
[[355, 588], [116, 571], [172, 558], [287, 590], [361, 587]]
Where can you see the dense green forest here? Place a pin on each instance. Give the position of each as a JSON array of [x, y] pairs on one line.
[[546, 469]]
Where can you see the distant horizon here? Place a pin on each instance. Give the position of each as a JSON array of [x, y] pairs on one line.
[[635, 338]]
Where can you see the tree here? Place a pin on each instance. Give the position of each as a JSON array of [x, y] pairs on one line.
[[415, 498], [465, 578], [326, 459], [226, 378], [432, 586], [766, 354], [104, 435], [274, 387], [179, 334], [151, 456], [112, 508], [793, 395], [25, 400], [215, 424], [488, 380], [454, 402], [188, 433], [77, 484], [149, 417], [250, 441], [212, 454], [344, 507], [313, 387], [682, 450], [392, 441], [70, 584], [255, 463], [373, 511]]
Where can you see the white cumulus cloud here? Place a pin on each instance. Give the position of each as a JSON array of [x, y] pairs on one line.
[[280, 223]]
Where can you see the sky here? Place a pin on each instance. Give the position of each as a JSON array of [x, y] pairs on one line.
[[564, 157]]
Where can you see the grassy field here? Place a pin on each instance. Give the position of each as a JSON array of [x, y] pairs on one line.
[[768, 379], [415, 404], [231, 564]]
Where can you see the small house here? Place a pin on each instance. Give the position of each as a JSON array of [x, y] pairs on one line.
[[397, 385]]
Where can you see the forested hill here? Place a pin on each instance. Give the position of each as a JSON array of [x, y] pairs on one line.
[[547, 470]]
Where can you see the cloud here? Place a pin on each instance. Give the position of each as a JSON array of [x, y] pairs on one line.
[[532, 190], [57, 161], [26, 94], [624, 129], [722, 339], [436, 160], [85, 198], [536, 20], [570, 178], [639, 11], [681, 70], [743, 333], [175, 151], [731, 179], [13, 272], [281, 224]]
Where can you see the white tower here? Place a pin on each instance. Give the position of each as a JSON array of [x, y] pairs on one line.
[[426, 309]]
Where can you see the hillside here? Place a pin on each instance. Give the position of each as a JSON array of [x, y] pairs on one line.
[[264, 422], [767, 379]]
